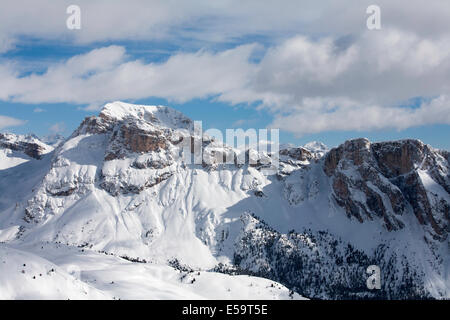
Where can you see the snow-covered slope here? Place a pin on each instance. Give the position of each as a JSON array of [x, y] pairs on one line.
[[55, 271], [121, 184]]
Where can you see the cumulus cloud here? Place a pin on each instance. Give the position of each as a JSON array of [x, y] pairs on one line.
[[106, 74], [320, 116], [213, 21], [314, 85], [376, 67], [6, 43], [320, 70], [6, 122]]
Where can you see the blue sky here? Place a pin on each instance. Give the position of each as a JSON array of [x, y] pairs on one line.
[[315, 75]]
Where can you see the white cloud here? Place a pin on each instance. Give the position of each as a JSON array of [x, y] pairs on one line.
[[315, 86], [320, 116], [320, 84], [106, 74], [6, 122], [299, 78], [58, 127], [213, 21], [239, 123], [322, 71], [38, 110], [381, 68], [6, 43]]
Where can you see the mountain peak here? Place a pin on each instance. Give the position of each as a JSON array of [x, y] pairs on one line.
[[160, 115], [120, 110], [315, 146]]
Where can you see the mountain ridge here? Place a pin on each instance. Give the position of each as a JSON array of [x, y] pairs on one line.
[[121, 184]]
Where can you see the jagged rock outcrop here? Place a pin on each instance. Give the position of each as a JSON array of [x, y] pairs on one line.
[[29, 145], [299, 153], [385, 179], [130, 138], [127, 149]]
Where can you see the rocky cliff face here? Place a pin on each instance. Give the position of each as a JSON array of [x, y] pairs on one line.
[[28, 145], [299, 153], [124, 150], [383, 180]]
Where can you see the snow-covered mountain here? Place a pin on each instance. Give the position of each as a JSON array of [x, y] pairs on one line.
[[316, 147], [121, 185], [16, 149], [53, 140]]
